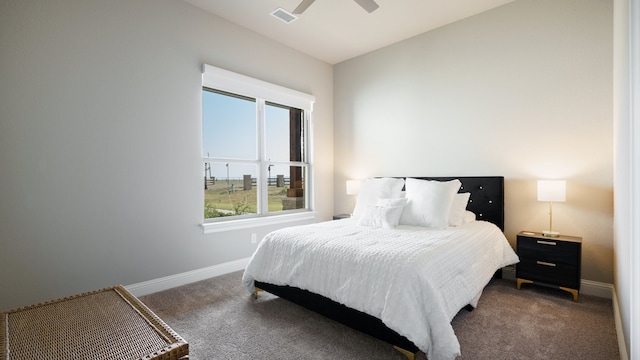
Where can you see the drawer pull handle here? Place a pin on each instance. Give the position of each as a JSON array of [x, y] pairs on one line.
[[545, 263], [546, 242]]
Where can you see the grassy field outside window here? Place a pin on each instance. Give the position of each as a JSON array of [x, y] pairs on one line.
[[222, 199]]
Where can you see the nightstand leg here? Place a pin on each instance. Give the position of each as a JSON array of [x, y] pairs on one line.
[[573, 292], [519, 282]]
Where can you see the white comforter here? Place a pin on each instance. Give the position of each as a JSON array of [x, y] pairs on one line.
[[414, 279]]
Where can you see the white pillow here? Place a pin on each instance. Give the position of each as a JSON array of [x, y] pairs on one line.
[[392, 202], [385, 217], [468, 217], [458, 207], [372, 190], [429, 202]]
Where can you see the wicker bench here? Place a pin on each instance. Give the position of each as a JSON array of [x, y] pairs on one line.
[[104, 324]]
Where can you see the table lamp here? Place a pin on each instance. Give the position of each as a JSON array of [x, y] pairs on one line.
[[551, 190], [353, 187]]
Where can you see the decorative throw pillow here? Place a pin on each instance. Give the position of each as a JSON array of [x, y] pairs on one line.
[[385, 217], [372, 190], [468, 217], [458, 207], [429, 202]]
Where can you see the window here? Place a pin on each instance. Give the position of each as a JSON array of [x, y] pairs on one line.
[[256, 158]]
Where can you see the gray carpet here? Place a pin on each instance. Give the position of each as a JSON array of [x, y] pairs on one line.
[[221, 320]]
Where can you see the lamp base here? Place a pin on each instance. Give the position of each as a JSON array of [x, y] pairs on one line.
[[549, 233]]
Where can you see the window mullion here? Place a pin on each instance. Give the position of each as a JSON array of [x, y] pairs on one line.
[[308, 159], [263, 192]]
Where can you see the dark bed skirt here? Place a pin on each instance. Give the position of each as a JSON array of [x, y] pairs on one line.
[[352, 318]]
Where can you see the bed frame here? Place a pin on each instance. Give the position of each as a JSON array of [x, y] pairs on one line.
[[486, 201]]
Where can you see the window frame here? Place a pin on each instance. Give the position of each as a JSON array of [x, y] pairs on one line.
[[263, 92]]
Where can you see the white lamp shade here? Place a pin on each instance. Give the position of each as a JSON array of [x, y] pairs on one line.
[[552, 190], [353, 187]]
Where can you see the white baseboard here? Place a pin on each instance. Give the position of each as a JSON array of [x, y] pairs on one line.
[[622, 345], [596, 288], [587, 287], [168, 282]]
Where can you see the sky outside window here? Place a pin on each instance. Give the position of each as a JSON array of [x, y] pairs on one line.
[[229, 130]]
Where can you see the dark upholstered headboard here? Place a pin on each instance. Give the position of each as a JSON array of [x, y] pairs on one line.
[[487, 196]]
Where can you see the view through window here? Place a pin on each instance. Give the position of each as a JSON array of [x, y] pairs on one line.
[[254, 156]]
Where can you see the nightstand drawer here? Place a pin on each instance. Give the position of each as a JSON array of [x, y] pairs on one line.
[[549, 250], [548, 272]]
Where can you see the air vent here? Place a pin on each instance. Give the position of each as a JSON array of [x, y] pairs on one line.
[[284, 15]]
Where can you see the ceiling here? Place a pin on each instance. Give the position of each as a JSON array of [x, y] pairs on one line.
[[337, 30]]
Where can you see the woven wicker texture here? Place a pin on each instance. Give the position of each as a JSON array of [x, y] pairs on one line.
[[104, 324]]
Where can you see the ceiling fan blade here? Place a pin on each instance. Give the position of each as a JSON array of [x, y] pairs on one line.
[[369, 5], [303, 6]]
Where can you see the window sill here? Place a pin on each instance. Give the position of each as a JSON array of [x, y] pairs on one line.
[[238, 224]]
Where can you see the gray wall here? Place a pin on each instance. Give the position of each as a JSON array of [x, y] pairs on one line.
[[100, 168], [523, 91]]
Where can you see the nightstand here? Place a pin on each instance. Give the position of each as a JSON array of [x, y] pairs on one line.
[[341, 216], [550, 261]]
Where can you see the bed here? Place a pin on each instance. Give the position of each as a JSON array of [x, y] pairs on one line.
[[397, 278]]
